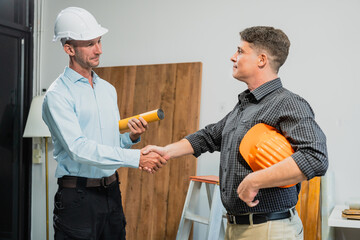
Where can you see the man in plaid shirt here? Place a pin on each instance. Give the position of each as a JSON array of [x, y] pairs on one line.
[[256, 207]]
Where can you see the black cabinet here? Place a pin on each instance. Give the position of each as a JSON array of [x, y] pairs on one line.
[[15, 96]]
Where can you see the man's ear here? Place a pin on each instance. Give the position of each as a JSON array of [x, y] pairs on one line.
[[263, 60], [69, 49]]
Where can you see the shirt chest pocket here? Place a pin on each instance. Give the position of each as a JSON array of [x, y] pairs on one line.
[[108, 113], [249, 115]]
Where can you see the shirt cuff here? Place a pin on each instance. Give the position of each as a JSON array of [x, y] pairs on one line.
[[195, 144], [126, 141], [304, 167], [131, 158]]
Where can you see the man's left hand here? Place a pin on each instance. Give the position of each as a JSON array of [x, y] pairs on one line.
[[137, 127], [247, 191]]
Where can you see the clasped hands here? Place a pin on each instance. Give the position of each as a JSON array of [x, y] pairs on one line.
[[152, 158]]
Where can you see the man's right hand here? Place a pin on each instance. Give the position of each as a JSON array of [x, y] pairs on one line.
[[178, 149], [151, 162]]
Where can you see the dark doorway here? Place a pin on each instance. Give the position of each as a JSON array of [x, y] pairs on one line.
[[15, 95]]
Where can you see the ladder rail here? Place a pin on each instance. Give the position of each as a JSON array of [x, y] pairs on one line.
[[216, 228]]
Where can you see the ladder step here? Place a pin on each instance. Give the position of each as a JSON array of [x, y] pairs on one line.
[[196, 218]]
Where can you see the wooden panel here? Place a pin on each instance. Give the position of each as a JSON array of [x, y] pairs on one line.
[[187, 94], [153, 203], [308, 208]]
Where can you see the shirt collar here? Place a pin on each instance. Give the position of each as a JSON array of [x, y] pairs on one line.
[[266, 88], [75, 76], [257, 94]]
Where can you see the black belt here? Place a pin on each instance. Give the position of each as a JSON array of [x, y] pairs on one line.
[[259, 217], [73, 181]]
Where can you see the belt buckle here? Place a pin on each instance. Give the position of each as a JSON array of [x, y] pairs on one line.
[[234, 219], [231, 219], [103, 182]]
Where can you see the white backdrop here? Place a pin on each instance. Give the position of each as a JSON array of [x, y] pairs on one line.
[[322, 65]]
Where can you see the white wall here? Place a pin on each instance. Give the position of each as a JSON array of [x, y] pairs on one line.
[[322, 65]]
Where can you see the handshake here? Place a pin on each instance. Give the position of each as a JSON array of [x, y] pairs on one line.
[[152, 158]]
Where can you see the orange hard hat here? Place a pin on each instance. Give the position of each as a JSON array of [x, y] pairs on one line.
[[263, 146]]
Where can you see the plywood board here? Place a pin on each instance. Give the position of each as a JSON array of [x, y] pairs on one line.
[[153, 203], [308, 208]]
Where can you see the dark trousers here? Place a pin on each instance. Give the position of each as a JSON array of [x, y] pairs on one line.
[[91, 213]]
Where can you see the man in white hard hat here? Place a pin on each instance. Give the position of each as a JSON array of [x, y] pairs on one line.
[[257, 208], [81, 112]]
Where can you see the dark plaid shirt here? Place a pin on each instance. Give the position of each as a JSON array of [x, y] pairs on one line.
[[278, 107]]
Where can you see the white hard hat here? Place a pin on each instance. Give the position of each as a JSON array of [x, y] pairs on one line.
[[77, 24]]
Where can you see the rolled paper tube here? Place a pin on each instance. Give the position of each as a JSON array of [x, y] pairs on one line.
[[151, 116]]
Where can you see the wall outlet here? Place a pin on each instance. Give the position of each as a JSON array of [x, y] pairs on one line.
[[36, 153]]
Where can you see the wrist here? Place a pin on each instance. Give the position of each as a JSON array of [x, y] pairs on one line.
[[134, 137], [167, 152], [252, 180]]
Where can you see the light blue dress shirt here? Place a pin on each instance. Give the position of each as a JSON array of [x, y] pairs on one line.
[[83, 122]]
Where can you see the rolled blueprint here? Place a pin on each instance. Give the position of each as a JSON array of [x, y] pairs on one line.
[[151, 116]]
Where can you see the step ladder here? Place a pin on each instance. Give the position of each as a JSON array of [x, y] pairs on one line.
[[216, 229]]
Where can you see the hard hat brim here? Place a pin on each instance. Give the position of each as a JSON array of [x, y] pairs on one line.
[[81, 37]]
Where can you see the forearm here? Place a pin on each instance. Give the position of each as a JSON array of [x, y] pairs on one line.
[[283, 173], [178, 149], [89, 152]]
